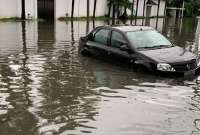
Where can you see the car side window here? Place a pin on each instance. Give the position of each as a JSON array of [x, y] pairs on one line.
[[117, 39], [102, 36]]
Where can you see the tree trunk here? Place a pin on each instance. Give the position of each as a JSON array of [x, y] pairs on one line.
[[109, 9], [118, 11], [125, 11], [144, 7], [132, 9], [94, 10], [165, 8], [72, 12], [143, 11], [157, 14], [158, 8], [124, 15], [88, 9], [183, 6], [113, 15], [136, 12], [87, 26], [23, 14]]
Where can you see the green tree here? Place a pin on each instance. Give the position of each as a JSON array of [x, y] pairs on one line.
[[191, 6], [119, 5]]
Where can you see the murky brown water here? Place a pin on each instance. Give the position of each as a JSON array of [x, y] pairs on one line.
[[47, 88]]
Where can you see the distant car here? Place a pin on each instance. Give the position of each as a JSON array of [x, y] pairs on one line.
[[140, 46]]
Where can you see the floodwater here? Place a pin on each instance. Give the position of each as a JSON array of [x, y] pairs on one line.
[[47, 88]]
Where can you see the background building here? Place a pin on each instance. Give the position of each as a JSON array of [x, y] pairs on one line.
[[62, 8]]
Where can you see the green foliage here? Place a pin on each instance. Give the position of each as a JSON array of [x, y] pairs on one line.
[[191, 6], [188, 9], [120, 6], [120, 3], [99, 18]]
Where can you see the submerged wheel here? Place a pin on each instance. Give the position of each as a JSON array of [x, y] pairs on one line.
[[84, 51], [142, 69]]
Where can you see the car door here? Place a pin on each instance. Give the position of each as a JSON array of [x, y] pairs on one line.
[[99, 43], [117, 40]]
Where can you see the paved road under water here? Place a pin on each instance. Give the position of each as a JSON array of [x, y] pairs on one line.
[[47, 88]]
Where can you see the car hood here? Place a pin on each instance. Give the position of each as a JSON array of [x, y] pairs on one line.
[[169, 55]]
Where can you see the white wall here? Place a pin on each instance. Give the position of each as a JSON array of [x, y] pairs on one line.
[[101, 8], [161, 10], [64, 6], [31, 8], [153, 11], [61, 7], [8, 8], [12, 8], [140, 7]]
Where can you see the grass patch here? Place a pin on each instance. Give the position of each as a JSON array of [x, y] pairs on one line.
[[98, 18], [10, 19], [141, 17], [14, 19]]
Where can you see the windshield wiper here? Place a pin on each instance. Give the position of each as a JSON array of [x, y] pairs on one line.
[[164, 46], [155, 47], [145, 47]]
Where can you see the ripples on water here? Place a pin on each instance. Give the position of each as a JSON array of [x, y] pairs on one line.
[[46, 87]]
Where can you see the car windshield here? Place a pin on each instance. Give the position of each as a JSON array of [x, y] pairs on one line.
[[148, 39]]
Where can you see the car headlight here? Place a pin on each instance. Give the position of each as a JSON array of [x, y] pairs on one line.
[[165, 67]]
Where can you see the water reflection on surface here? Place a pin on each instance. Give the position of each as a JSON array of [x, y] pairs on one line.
[[46, 87]]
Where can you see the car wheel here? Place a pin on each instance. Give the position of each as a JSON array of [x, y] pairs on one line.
[[142, 69], [84, 51]]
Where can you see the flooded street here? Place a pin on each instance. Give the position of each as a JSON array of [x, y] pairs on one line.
[[47, 88]]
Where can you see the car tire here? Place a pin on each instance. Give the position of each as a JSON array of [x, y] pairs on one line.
[[142, 69], [84, 51]]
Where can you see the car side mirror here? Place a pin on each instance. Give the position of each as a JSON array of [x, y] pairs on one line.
[[124, 48], [90, 36]]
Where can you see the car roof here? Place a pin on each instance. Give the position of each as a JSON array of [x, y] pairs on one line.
[[131, 28]]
